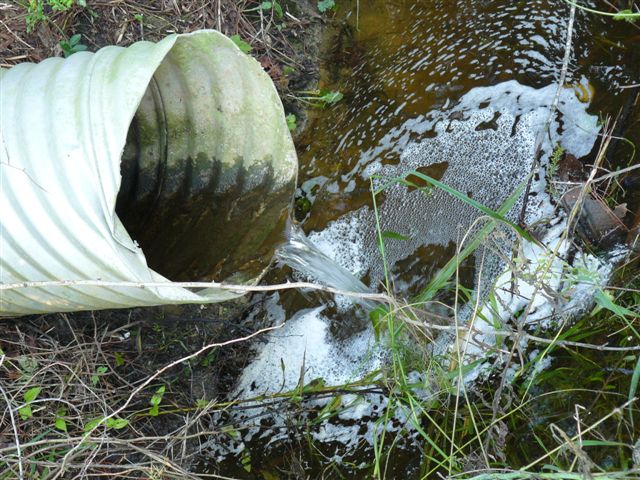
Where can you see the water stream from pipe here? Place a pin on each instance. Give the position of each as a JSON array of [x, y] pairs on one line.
[[306, 258]]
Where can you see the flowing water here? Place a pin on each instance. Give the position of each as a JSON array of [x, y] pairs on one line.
[[459, 91], [306, 258]]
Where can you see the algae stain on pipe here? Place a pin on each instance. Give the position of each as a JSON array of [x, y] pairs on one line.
[[61, 223]]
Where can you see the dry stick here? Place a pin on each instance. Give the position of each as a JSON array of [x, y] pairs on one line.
[[466, 346], [149, 380], [616, 173], [15, 428], [221, 286], [552, 110]]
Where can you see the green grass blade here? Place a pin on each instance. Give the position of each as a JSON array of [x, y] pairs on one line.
[[443, 276], [633, 388], [464, 198]]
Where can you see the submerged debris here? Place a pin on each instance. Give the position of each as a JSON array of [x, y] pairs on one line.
[[599, 224]]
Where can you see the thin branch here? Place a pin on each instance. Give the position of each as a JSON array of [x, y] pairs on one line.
[[552, 109], [221, 286]]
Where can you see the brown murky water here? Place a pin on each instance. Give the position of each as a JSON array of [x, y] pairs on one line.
[[395, 62]]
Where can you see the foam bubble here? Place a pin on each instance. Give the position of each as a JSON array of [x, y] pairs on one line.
[[303, 348]]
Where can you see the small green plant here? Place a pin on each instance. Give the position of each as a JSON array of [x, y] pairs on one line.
[[119, 359], [241, 44], [59, 422], [554, 161], [60, 5], [115, 423], [626, 15], [275, 6], [155, 401], [73, 45], [325, 5], [303, 206], [36, 10], [35, 14], [245, 460], [100, 371], [320, 98], [29, 396], [291, 122], [28, 366]]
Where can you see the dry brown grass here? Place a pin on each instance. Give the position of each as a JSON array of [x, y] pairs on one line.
[[109, 364], [276, 42]]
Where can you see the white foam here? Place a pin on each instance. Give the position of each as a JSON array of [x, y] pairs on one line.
[[544, 291], [489, 148], [303, 349], [343, 244]]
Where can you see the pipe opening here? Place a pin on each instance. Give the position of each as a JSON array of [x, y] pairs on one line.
[[200, 199]]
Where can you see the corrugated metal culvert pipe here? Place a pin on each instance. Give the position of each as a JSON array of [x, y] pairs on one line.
[[141, 164]]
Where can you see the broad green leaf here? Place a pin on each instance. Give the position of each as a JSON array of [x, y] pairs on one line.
[[245, 460], [291, 122], [119, 359], [25, 412], [92, 424], [331, 98], [231, 432], [324, 5], [60, 424], [117, 423], [157, 397], [241, 44], [605, 300], [278, 9], [95, 378], [377, 317], [31, 394]]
